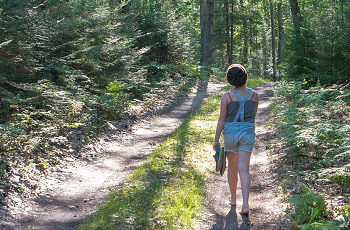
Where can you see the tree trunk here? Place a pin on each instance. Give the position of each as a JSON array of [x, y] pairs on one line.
[[206, 23], [231, 28], [175, 3], [264, 39], [210, 31], [280, 34], [245, 37], [227, 28], [204, 26], [296, 16], [273, 42]]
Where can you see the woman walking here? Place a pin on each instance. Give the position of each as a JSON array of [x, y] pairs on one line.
[[236, 122]]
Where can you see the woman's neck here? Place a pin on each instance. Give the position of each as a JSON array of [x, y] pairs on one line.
[[243, 87]]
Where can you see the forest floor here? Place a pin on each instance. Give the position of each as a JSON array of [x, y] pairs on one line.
[[74, 193]]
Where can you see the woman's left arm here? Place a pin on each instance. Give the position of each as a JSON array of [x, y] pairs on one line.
[[256, 99]]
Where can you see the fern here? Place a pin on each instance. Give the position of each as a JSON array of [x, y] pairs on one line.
[[309, 206]]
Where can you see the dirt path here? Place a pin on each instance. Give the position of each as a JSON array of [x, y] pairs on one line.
[[74, 193], [267, 210]]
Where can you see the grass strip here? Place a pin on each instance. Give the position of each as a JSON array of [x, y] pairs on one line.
[[167, 191]]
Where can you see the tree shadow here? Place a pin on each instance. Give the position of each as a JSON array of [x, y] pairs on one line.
[[162, 171]]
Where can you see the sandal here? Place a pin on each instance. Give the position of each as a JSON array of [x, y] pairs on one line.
[[219, 157], [223, 162]]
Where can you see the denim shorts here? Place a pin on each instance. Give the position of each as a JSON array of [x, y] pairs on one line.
[[239, 136]]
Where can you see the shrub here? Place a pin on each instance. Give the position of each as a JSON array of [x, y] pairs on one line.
[[309, 206]]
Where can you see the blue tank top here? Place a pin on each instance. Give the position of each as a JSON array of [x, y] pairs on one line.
[[247, 111]]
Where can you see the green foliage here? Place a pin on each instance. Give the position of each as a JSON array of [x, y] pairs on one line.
[[329, 225], [342, 176], [112, 101], [310, 212], [346, 214], [313, 122], [309, 207], [312, 125], [320, 53]]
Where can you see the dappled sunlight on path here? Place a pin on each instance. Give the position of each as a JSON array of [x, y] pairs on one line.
[[83, 186]]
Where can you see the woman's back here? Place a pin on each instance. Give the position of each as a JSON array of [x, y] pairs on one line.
[[234, 104]]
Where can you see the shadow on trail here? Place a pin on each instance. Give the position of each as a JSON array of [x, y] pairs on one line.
[[138, 202], [231, 221], [178, 99], [140, 199]]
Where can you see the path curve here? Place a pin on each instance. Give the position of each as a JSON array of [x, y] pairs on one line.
[[77, 191]]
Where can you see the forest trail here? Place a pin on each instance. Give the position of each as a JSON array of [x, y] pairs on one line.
[[77, 192], [73, 194], [266, 208]]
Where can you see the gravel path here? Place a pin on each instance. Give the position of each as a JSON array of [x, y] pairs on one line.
[[74, 193], [266, 208]]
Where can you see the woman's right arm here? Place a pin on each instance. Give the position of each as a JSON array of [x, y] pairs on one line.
[[221, 120]]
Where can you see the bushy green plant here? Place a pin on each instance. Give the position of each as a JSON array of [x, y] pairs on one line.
[[329, 225], [311, 121], [112, 101], [310, 212], [309, 207], [313, 127], [346, 214]]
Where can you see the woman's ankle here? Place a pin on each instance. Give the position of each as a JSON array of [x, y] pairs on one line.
[[232, 201]]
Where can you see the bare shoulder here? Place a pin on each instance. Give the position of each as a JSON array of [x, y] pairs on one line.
[[255, 96], [225, 97]]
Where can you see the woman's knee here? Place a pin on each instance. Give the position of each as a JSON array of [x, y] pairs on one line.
[[232, 167], [232, 160], [243, 169]]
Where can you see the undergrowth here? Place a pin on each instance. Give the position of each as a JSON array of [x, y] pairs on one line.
[[167, 191], [43, 123], [313, 127]]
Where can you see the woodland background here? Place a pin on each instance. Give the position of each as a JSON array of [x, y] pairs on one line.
[[70, 67]]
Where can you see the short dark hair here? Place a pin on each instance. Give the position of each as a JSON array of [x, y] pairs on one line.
[[236, 75]]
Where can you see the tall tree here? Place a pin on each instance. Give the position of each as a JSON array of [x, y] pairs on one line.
[[231, 29], [206, 24], [273, 48], [245, 35], [227, 32], [280, 33], [264, 38], [296, 16]]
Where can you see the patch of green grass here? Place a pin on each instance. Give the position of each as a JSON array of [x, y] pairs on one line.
[[164, 193], [167, 191]]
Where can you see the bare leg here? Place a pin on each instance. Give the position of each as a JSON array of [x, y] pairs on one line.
[[243, 169], [232, 174]]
